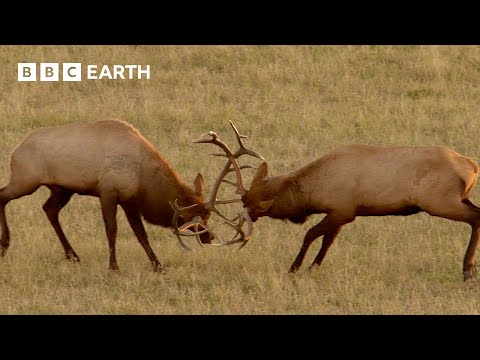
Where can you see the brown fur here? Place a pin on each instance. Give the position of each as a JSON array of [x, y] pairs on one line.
[[362, 180], [110, 160]]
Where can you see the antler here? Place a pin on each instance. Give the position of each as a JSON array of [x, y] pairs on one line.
[[232, 159], [242, 217], [180, 231], [240, 189]]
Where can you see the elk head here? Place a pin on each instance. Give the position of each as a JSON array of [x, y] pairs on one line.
[[260, 197]]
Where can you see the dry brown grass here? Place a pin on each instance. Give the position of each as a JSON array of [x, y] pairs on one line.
[[295, 103]]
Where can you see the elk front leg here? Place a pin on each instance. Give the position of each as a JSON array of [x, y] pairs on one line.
[[329, 226], [109, 212], [326, 242], [135, 221]]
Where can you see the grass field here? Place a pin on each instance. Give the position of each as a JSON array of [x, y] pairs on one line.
[[295, 103]]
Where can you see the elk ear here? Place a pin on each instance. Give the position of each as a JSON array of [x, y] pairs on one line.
[[260, 175], [263, 206], [198, 185]]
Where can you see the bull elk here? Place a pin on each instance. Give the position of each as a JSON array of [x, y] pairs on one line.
[[110, 160], [363, 180]]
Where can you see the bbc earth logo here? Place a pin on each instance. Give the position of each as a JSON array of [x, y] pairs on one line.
[[73, 72]]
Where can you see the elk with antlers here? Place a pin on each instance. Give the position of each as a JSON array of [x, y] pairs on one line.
[[362, 180], [112, 161]]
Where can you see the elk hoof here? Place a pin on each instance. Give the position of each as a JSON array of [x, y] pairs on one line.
[[158, 268], [4, 251], [467, 275], [73, 258], [471, 272]]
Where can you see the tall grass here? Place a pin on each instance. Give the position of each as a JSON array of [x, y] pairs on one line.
[[295, 103]]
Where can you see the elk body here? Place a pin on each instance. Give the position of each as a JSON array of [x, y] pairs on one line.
[[361, 180], [114, 162]]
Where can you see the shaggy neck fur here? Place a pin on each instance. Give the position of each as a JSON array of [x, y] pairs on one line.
[[291, 201], [161, 185]]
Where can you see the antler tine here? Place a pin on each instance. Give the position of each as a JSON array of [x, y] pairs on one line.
[[234, 240], [243, 150], [232, 169], [244, 167], [216, 211], [211, 133], [176, 231], [177, 208], [229, 182], [248, 236], [197, 221], [236, 132], [231, 201], [244, 237], [232, 159], [179, 231]]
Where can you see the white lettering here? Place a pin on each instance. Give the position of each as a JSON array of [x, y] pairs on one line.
[[92, 72], [72, 71], [27, 72], [48, 71], [118, 71], [130, 70], [146, 72], [105, 72]]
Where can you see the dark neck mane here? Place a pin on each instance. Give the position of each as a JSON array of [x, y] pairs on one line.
[[292, 202], [160, 186]]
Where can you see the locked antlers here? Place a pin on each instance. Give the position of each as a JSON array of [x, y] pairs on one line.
[[231, 165], [237, 222]]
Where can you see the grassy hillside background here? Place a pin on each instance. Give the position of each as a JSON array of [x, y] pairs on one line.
[[295, 103]]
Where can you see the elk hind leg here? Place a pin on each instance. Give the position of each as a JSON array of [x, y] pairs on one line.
[[59, 197], [464, 211], [469, 268], [14, 190]]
